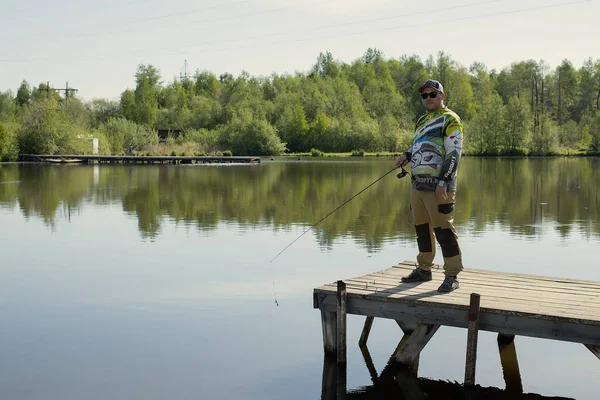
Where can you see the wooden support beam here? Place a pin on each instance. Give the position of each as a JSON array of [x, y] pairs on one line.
[[408, 329], [364, 336], [341, 322], [329, 325], [473, 331], [593, 349], [510, 364], [415, 343]]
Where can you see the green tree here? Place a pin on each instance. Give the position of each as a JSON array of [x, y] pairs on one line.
[[293, 128], [42, 130], [23, 94], [7, 106], [101, 110], [518, 125], [326, 66], [489, 127], [9, 147], [122, 133], [566, 77], [245, 135]]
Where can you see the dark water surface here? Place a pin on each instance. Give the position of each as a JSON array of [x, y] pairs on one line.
[[154, 282]]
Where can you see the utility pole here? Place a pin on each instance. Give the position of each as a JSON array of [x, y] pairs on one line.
[[68, 91], [184, 76]]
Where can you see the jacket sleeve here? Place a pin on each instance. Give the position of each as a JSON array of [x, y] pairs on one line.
[[453, 143], [408, 153]]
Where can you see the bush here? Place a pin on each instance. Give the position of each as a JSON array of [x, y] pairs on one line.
[[357, 153], [9, 146], [227, 153], [316, 153], [249, 136], [121, 133]]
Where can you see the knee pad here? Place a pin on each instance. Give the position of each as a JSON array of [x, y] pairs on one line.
[[424, 238], [448, 242]]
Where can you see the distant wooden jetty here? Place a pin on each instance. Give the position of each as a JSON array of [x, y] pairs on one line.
[[507, 303], [97, 159]]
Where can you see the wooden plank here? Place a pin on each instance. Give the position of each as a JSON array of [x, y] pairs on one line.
[[503, 280], [394, 274], [547, 327], [411, 265], [502, 305], [531, 292], [415, 343], [559, 301], [566, 289], [459, 297]]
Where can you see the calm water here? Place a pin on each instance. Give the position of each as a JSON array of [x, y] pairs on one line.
[[154, 282]]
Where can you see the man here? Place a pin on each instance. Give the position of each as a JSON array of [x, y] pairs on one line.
[[434, 158]]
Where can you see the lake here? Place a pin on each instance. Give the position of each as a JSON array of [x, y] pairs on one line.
[[155, 282]]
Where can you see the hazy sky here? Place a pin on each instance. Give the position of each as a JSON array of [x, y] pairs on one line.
[[96, 45]]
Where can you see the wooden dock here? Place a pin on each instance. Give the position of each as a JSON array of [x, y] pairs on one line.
[[97, 159], [510, 304]]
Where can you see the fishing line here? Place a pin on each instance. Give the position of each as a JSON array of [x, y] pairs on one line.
[[400, 175], [340, 206]]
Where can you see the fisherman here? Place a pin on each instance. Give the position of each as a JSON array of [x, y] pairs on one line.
[[434, 157]]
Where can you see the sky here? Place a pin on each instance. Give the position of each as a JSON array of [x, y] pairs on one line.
[[97, 45]]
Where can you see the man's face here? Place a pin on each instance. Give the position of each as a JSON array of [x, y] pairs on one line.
[[432, 104]]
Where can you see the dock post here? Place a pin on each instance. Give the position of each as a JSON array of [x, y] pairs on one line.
[[329, 324], [341, 322], [342, 299], [473, 330]]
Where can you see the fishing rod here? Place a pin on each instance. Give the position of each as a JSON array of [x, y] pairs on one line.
[[400, 175]]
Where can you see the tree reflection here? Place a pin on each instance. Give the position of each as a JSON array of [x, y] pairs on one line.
[[524, 196]]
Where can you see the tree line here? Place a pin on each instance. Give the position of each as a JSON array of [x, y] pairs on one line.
[[368, 105]]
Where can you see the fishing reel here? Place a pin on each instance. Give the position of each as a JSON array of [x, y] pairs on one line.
[[402, 173]]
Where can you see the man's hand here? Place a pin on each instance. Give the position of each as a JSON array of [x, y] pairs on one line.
[[441, 194], [401, 161]]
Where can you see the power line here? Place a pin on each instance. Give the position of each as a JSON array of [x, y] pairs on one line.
[[377, 30], [346, 24], [51, 5], [169, 52], [196, 22]]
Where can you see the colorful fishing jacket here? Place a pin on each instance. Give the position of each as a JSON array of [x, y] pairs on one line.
[[436, 150]]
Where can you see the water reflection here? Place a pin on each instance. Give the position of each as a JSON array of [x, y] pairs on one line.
[[524, 195], [399, 382]]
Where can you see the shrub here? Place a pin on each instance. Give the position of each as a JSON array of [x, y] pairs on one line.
[[9, 146], [122, 133], [358, 153], [316, 153], [227, 153]]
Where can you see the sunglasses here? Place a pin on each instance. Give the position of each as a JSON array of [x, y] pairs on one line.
[[433, 95]]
